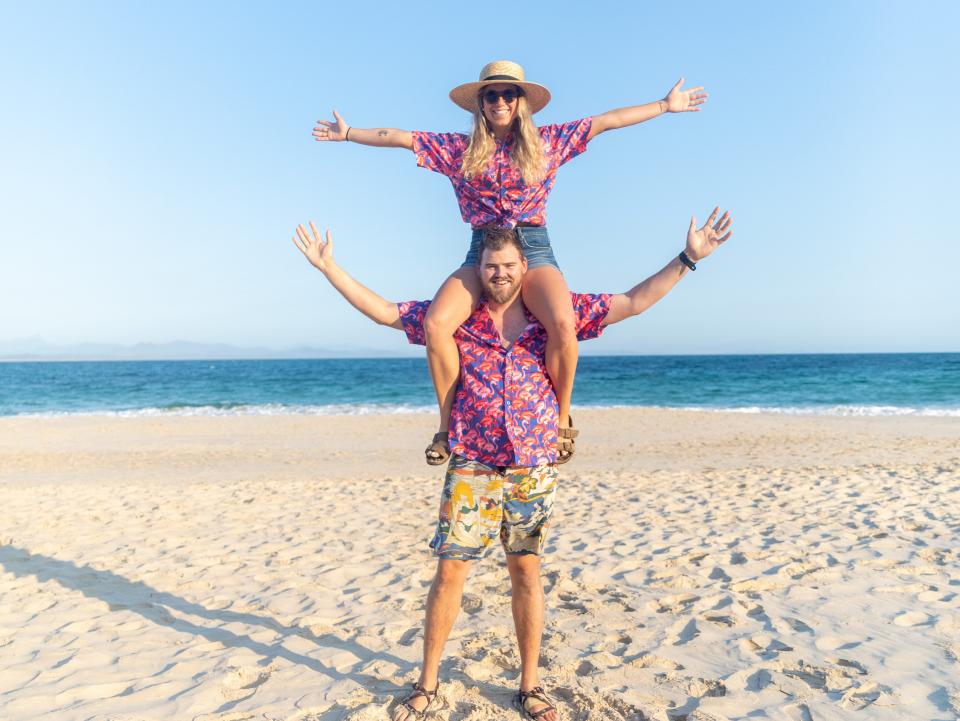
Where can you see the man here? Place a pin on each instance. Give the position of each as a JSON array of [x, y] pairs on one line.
[[503, 434]]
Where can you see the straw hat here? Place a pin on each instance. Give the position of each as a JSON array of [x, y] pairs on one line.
[[500, 71]]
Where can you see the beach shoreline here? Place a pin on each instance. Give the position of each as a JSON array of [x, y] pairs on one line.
[[173, 449], [700, 565]]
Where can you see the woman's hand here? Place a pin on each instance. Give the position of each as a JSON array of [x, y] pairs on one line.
[[684, 101], [319, 252], [702, 242], [336, 131]]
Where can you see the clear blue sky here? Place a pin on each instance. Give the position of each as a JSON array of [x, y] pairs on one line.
[[156, 159]]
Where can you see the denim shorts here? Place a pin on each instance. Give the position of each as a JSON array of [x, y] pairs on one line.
[[481, 504], [534, 239]]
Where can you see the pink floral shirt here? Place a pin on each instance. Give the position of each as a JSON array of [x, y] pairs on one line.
[[498, 197], [505, 410]]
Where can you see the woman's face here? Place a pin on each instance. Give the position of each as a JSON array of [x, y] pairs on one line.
[[499, 103]]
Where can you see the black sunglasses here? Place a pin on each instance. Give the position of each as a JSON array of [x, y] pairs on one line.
[[491, 96]]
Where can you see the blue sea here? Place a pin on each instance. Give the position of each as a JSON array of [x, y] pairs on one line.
[[861, 384]]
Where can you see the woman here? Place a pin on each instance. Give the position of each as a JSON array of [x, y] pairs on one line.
[[502, 174]]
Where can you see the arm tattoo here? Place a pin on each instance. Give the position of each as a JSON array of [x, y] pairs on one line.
[[382, 133]]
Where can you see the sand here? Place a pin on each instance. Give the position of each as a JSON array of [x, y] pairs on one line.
[[701, 566]]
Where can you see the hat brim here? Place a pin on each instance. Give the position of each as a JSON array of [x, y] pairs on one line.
[[466, 95]]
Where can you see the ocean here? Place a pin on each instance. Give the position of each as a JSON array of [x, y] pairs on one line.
[[830, 384]]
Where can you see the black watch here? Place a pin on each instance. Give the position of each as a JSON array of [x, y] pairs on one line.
[[685, 259]]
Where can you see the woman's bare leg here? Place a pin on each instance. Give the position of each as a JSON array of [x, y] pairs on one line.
[[451, 306], [546, 294]]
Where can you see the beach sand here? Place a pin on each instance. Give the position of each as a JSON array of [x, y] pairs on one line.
[[700, 566]]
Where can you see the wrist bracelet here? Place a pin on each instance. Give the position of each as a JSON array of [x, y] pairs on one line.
[[685, 259], [348, 134]]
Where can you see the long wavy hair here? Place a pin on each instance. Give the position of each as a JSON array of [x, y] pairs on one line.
[[527, 154]]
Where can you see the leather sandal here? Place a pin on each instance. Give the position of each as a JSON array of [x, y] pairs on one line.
[[537, 692], [418, 692], [438, 451], [566, 446]]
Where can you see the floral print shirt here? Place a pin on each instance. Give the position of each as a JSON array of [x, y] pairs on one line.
[[505, 410], [498, 197]]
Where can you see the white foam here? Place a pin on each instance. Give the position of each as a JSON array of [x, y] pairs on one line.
[[268, 409], [361, 409], [836, 410]]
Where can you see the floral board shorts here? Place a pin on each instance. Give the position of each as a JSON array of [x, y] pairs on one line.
[[480, 503]]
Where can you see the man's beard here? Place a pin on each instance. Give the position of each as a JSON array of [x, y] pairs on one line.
[[502, 293]]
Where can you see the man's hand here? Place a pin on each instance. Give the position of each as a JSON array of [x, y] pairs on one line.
[[702, 242], [684, 101], [319, 252], [335, 131]]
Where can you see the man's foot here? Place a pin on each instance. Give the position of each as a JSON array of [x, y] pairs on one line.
[[438, 451], [415, 706], [535, 705], [565, 443]]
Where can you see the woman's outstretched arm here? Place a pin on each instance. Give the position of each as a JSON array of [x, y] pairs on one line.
[[676, 101], [339, 130]]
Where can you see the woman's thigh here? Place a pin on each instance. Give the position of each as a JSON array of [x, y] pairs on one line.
[[546, 294], [455, 301]]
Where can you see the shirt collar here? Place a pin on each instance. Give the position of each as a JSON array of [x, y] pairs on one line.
[[481, 326]]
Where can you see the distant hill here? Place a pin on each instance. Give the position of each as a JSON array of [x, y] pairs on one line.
[[37, 349]]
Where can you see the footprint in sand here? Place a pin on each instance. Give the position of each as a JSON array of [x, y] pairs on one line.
[[683, 632], [471, 603], [911, 619], [678, 603], [720, 620], [571, 602], [797, 625], [409, 636], [753, 609], [694, 687], [598, 706], [847, 664], [798, 712], [862, 696], [756, 585], [648, 660], [241, 683], [718, 574], [905, 588], [758, 680], [764, 646]]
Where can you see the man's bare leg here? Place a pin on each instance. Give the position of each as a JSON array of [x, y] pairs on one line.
[[528, 619], [443, 605]]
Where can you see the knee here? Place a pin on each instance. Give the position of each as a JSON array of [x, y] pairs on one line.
[[563, 330], [527, 583], [438, 326], [450, 576]]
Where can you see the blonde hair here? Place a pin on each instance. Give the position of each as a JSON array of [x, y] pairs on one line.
[[527, 154]]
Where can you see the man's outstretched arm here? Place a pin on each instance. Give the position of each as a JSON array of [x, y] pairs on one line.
[[700, 244], [320, 254]]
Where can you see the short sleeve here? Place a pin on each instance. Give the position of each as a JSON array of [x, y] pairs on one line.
[[567, 141], [440, 152], [590, 310], [412, 313]]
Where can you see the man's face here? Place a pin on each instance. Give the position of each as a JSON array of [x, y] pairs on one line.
[[501, 273]]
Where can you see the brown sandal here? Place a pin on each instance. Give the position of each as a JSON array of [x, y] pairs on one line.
[[566, 446], [418, 692], [537, 692], [440, 449]]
